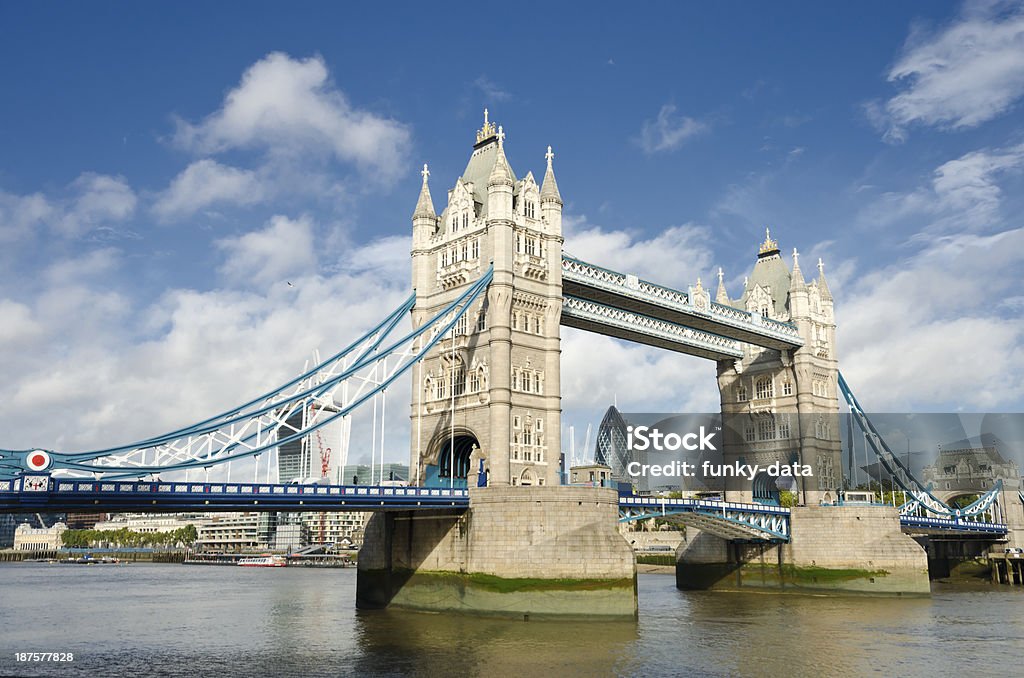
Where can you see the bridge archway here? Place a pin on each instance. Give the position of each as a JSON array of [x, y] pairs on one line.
[[764, 489], [455, 455]]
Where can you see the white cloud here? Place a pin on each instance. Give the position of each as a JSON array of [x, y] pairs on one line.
[[19, 214], [281, 250], [118, 369], [930, 331], [491, 91], [639, 378], [17, 326], [290, 107], [204, 183], [90, 203], [960, 77], [965, 194], [674, 257], [669, 131]]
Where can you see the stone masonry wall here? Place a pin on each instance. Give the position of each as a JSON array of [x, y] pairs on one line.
[[542, 551]]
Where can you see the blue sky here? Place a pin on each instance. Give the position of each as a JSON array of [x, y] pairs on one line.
[[165, 168]]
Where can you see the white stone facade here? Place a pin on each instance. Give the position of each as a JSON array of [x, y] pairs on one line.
[[784, 405], [499, 375], [28, 538]]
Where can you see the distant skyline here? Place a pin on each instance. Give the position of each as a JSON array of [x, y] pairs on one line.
[[194, 198]]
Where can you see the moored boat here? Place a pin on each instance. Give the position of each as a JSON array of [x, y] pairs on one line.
[[264, 561]]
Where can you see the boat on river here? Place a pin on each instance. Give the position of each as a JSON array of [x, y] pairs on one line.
[[264, 561]]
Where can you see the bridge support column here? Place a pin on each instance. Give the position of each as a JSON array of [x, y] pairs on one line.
[[837, 549], [517, 552]]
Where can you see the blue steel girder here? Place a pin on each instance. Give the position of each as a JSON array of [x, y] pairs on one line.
[[951, 526], [627, 292], [31, 493], [733, 521], [599, 318], [258, 426]]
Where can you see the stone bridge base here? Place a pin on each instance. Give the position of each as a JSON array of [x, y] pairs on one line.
[[517, 552], [832, 549]]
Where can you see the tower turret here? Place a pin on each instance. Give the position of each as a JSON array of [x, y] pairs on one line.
[[721, 296], [550, 198], [799, 306], [500, 184]]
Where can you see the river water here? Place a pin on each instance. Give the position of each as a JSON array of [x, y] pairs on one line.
[[176, 620]]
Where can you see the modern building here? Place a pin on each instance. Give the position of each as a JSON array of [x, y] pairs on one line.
[[315, 455], [28, 538], [290, 536], [363, 474], [611, 448], [230, 532], [85, 521], [335, 527]]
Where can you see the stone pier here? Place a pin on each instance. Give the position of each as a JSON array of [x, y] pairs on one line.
[[519, 552], [832, 549]]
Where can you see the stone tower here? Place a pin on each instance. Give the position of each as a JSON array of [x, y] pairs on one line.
[[491, 392], [784, 405]]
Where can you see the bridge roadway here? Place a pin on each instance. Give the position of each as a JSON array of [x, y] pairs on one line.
[[730, 520]]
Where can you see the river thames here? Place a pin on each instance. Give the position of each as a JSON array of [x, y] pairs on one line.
[[175, 620]]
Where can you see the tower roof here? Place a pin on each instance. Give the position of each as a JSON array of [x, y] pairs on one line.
[[549, 189], [826, 293], [481, 162], [424, 206], [770, 272]]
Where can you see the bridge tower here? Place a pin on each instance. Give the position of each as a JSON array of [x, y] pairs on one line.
[[783, 405], [491, 392]]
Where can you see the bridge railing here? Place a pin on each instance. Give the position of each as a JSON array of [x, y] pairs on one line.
[[579, 271], [653, 327], [73, 486]]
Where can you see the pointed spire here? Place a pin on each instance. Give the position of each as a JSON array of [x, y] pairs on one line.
[[721, 296], [549, 189], [424, 206], [797, 279], [501, 173], [826, 293]]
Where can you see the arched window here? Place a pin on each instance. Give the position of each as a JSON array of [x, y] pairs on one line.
[[765, 388], [741, 393]]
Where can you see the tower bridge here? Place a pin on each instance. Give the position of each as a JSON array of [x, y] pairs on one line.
[[492, 288]]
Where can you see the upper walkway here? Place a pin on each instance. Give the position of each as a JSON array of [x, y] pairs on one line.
[[588, 282]]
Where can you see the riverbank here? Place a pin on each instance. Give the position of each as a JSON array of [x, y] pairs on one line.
[[12, 556]]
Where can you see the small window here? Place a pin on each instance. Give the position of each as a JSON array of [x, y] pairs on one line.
[[515, 421], [787, 388], [540, 425]]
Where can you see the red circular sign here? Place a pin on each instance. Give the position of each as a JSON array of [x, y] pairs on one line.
[[38, 460]]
